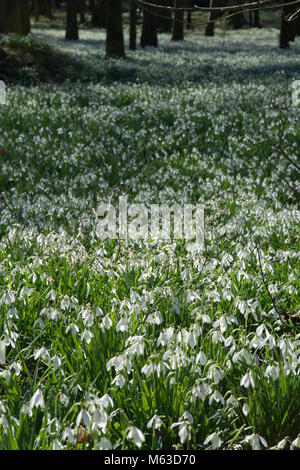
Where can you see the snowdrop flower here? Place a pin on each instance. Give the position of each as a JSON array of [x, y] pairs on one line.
[[136, 435], [64, 400], [281, 444], [106, 401], [201, 358], [186, 416], [272, 371], [248, 380], [156, 421], [217, 397], [37, 400], [106, 323], [246, 409], [101, 418], [42, 352], [215, 441], [87, 336], [57, 445], [119, 381], [184, 432], [122, 325], [56, 362], [84, 416], [69, 435], [255, 440], [296, 442], [105, 444]]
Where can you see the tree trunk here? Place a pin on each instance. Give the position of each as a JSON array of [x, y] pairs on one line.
[[189, 17], [98, 12], [132, 29], [82, 8], [256, 19], [14, 17], [164, 19], [114, 29], [288, 29], [212, 17], [178, 21], [149, 27], [72, 26], [25, 17]]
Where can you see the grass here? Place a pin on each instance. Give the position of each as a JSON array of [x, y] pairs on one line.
[[99, 337]]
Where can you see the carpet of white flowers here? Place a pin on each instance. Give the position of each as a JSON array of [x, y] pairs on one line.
[[109, 344]]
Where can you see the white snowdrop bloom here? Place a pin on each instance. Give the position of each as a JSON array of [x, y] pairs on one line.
[[105, 444], [56, 362], [242, 306], [37, 400], [201, 358], [119, 381], [69, 435], [260, 330], [87, 336], [73, 328], [57, 445], [201, 391], [2, 351], [101, 418], [122, 325], [106, 323], [156, 421], [271, 342], [229, 341], [217, 337], [87, 318], [255, 441], [184, 432], [247, 380], [136, 435], [84, 416], [296, 442], [25, 291], [217, 397], [281, 444], [205, 318], [39, 323], [215, 441], [215, 373], [64, 399], [65, 303], [272, 371], [8, 298], [186, 416], [155, 319], [106, 401], [4, 423], [246, 409], [226, 260]]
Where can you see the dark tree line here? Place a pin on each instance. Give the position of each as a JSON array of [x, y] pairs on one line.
[[15, 18]]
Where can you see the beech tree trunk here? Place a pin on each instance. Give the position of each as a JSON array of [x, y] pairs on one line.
[[288, 29], [178, 21], [212, 17], [82, 8], [14, 16], [98, 12], [114, 29], [72, 26], [149, 27], [164, 18], [132, 28]]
